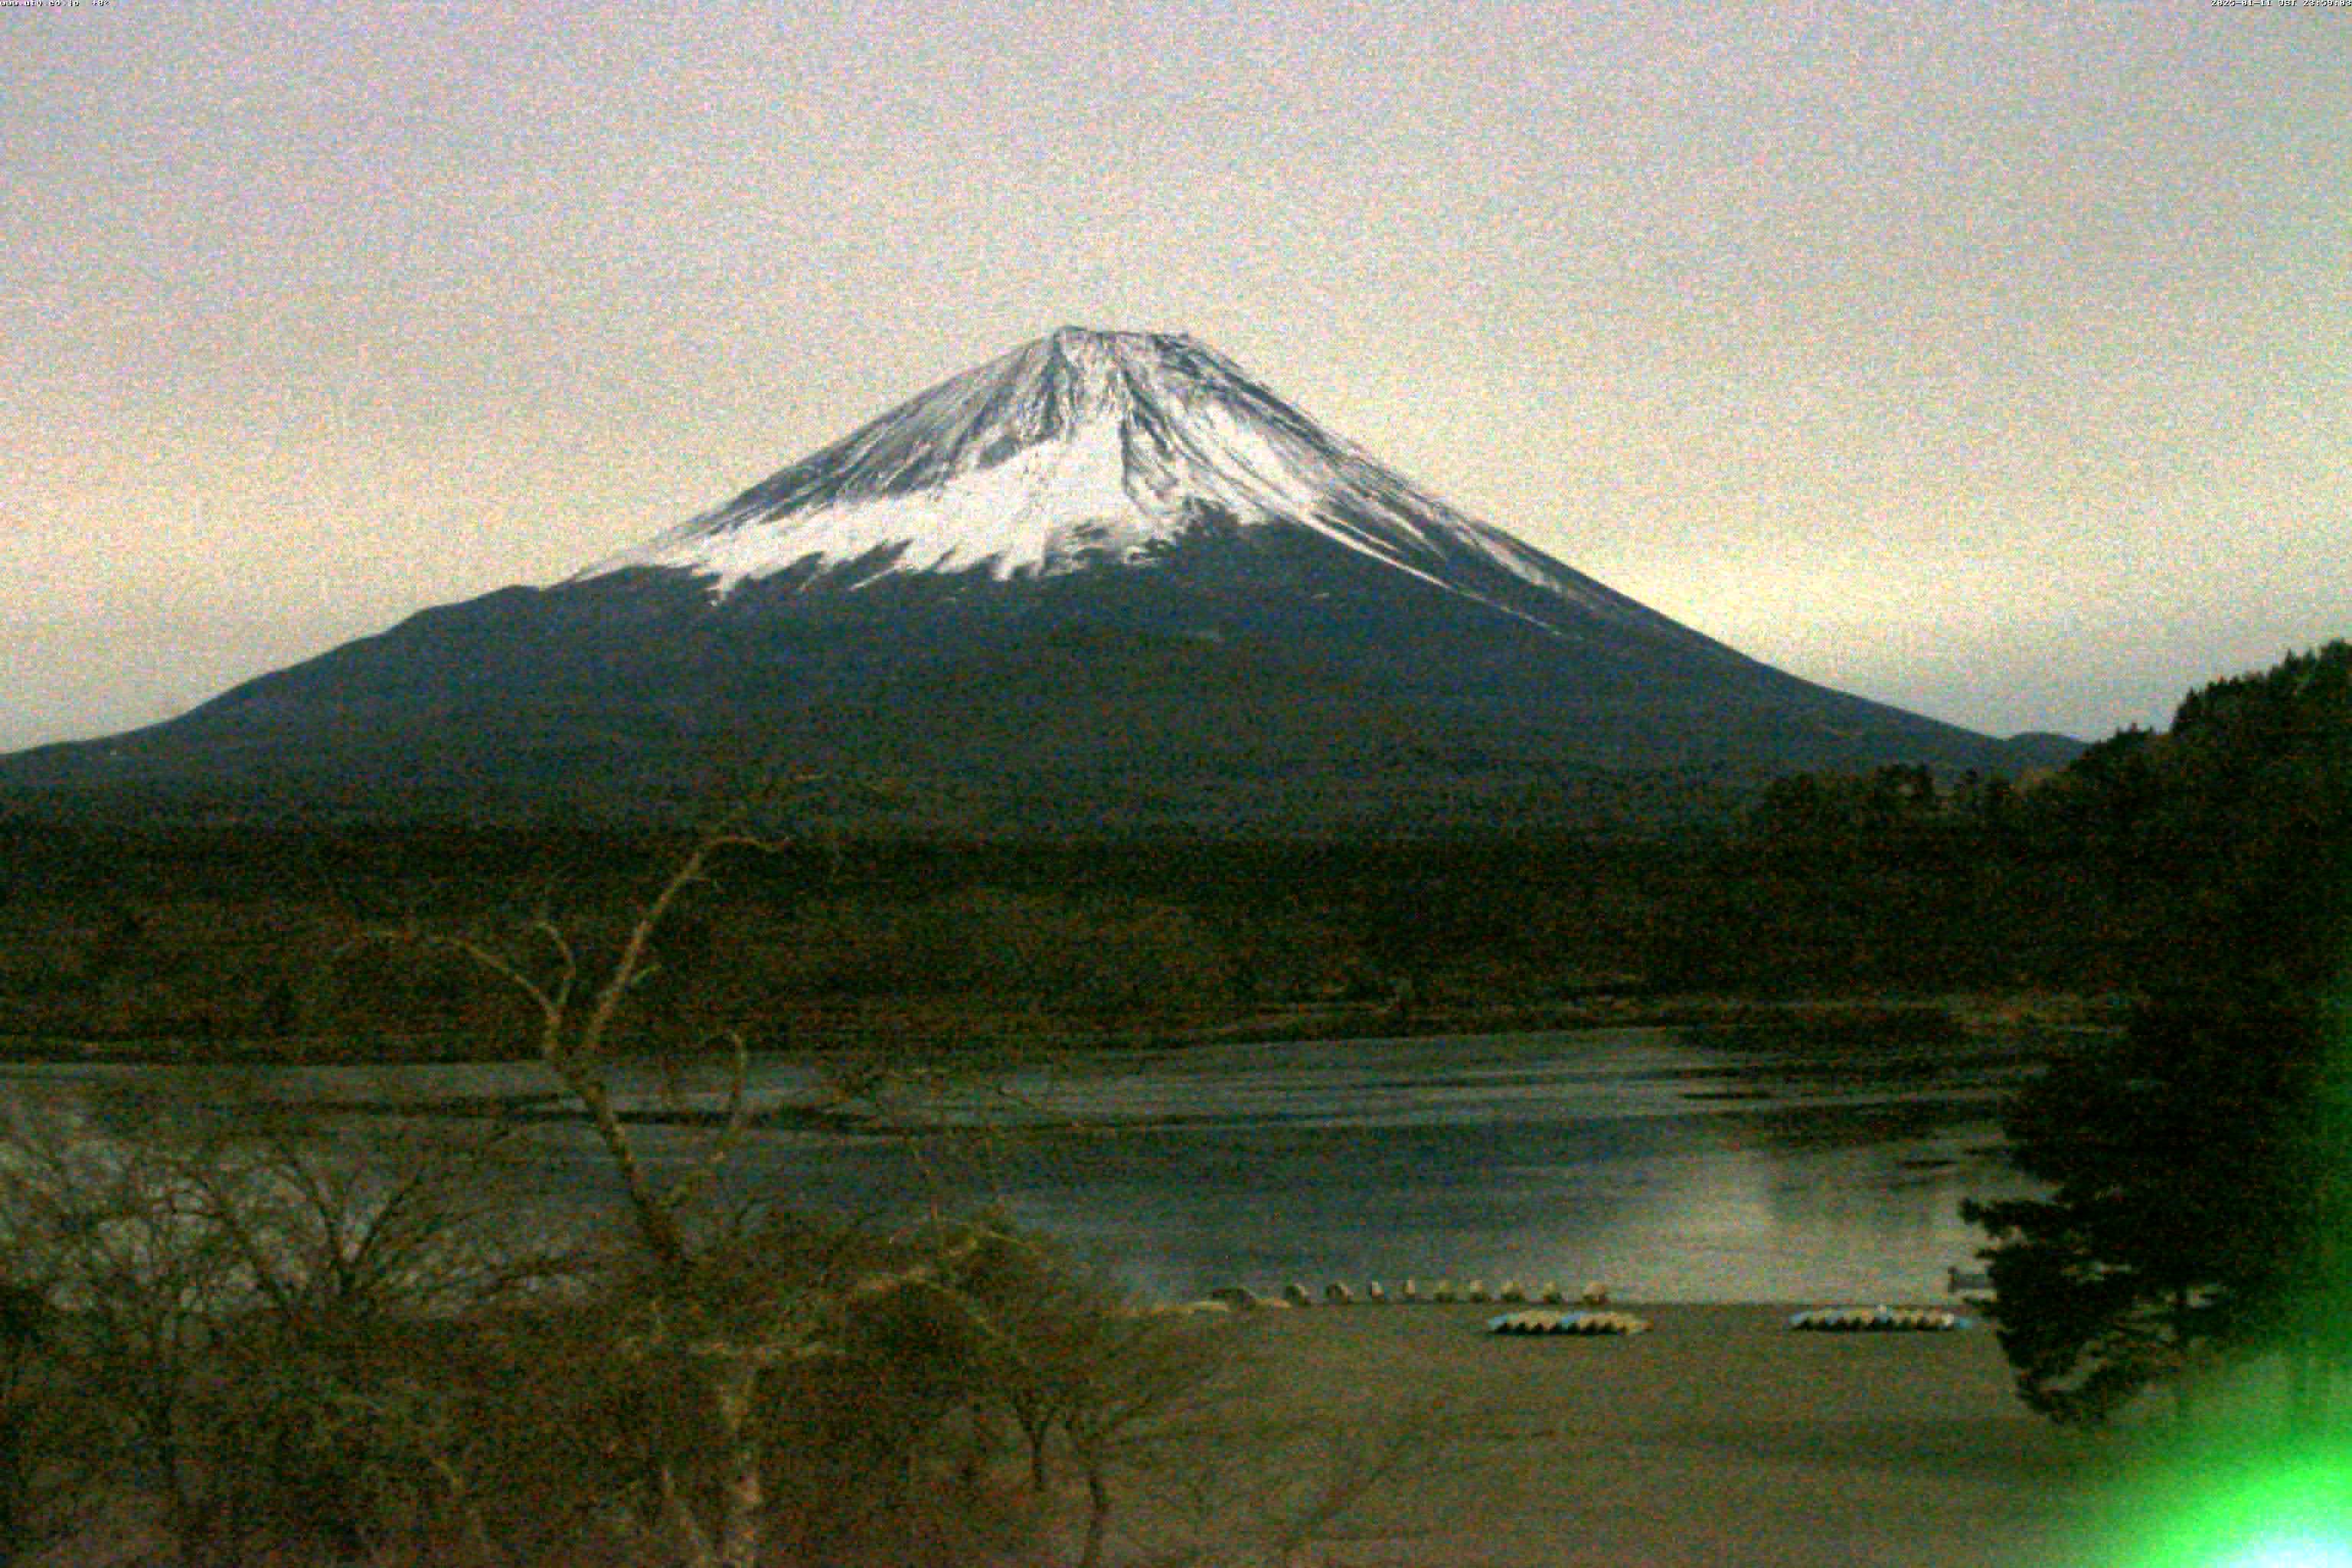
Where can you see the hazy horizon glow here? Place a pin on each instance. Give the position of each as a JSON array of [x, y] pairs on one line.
[[1991, 363]]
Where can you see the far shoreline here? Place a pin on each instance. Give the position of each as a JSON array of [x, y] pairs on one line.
[[1830, 1023]]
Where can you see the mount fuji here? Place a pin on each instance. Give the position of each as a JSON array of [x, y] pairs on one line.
[[1105, 582]]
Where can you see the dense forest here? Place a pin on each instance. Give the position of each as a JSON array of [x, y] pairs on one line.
[[2220, 844], [2195, 1191]]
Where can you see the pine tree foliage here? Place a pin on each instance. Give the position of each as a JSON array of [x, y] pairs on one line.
[[2183, 1203], [2200, 1195]]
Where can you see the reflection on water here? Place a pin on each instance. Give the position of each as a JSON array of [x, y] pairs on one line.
[[1669, 1169]]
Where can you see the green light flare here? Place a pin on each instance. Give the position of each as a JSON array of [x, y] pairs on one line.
[[2288, 1507], [2299, 1552], [2249, 1489]]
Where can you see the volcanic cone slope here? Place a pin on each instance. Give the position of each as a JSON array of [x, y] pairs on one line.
[[1103, 580]]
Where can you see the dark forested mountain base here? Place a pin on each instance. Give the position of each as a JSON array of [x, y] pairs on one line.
[[2218, 849]]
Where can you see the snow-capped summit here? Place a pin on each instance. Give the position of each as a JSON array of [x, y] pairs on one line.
[[1081, 448]]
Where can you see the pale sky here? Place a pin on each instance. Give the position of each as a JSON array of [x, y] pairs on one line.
[[1989, 360]]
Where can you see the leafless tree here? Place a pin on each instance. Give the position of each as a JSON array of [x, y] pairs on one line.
[[1064, 1354], [225, 1273], [706, 1301]]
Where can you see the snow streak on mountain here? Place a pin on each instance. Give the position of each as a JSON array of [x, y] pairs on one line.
[[1081, 449]]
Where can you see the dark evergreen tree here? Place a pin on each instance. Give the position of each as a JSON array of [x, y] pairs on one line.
[[24, 1325], [2188, 1206]]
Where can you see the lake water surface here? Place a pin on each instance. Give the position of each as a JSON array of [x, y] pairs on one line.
[[1667, 1167]]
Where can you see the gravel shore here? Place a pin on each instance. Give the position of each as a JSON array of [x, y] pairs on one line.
[[1719, 1438]]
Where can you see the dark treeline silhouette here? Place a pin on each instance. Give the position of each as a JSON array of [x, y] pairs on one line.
[[2221, 848], [233, 937], [2199, 1193], [2216, 847]]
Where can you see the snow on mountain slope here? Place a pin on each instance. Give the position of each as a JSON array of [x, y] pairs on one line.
[[1085, 449]]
